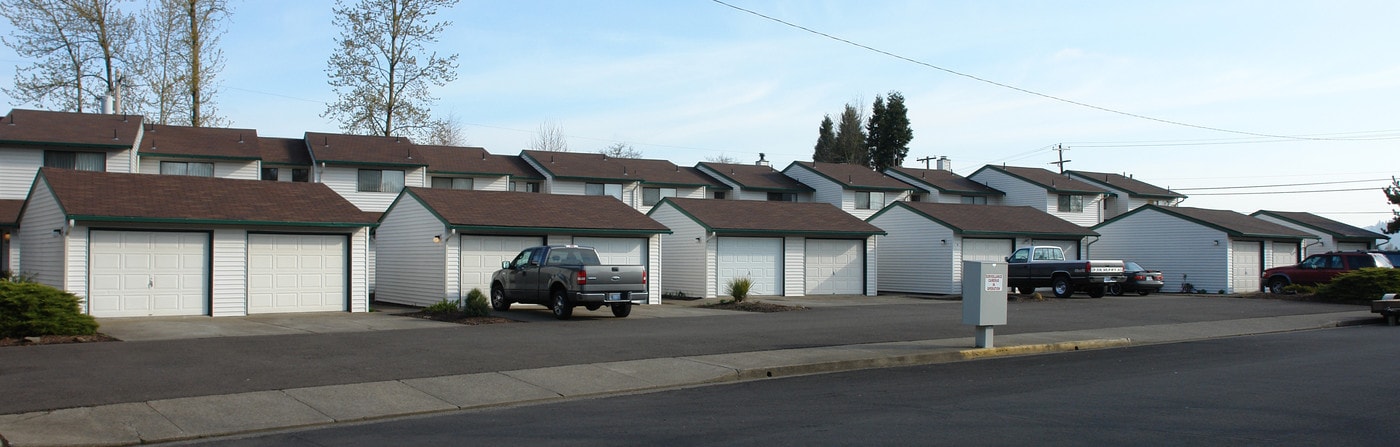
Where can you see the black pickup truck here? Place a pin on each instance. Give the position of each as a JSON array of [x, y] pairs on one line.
[[1045, 266], [564, 276]]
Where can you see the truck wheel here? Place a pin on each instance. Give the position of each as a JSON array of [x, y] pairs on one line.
[[1062, 287], [1096, 292], [498, 299], [562, 309], [622, 310], [1115, 289], [1276, 285]]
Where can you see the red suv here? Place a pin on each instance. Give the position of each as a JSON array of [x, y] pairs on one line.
[[1321, 268]]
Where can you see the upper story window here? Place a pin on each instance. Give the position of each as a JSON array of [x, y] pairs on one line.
[[974, 200], [82, 161], [1070, 203], [193, 169], [603, 189], [452, 183], [652, 195], [720, 195], [525, 186], [867, 200], [782, 197], [377, 180], [269, 174], [915, 198]]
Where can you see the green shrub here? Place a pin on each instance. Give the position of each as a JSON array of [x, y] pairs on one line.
[[739, 288], [1361, 285], [676, 295], [30, 309], [477, 305], [442, 307], [1300, 288]]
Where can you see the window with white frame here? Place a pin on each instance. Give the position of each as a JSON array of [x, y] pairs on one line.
[[870, 200], [192, 169], [974, 200], [82, 161], [650, 196], [525, 186], [603, 189], [1071, 203], [782, 197], [380, 180], [452, 183]]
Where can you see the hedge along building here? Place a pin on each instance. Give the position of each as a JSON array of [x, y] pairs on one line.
[[158, 245], [438, 244]]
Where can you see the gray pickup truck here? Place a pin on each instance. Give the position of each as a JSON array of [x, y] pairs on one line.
[[564, 276], [1045, 266]]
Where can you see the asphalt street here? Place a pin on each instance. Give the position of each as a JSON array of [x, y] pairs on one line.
[[1319, 387], [63, 376]]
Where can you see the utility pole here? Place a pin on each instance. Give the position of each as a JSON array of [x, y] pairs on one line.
[[1061, 149], [925, 160]]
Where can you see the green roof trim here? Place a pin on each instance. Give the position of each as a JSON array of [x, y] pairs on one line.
[[1042, 185], [854, 187], [1227, 231], [369, 164], [168, 220], [66, 145], [551, 230], [200, 157]]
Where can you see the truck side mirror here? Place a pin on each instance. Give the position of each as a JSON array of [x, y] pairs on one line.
[[505, 264]]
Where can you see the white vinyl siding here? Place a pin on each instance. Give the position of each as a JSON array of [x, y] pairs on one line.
[[493, 183], [345, 181], [297, 272], [144, 273], [1018, 192], [794, 283], [1353, 246], [1185, 251], [913, 257], [17, 170], [826, 191], [686, 257], [411, 268], [834, 266], [43, 250], [566, 187], [230, 294], [759, 259]]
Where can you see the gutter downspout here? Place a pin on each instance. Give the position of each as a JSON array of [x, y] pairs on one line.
[[1087, 256]]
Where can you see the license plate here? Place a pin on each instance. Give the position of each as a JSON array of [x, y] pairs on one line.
[[614, 296]]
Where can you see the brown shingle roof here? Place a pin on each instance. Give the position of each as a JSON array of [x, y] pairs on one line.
[[586, 166], [102, 196], [852, 176], [475, 160], [1046, 179], [84, 130], [532, 213], [1233, 223], [994, 219], [9, 212], [756, 178], [755, 217], [287, 151], [946, 182], [1134, 187], [363, 149], [200, 142], [1323, 224]]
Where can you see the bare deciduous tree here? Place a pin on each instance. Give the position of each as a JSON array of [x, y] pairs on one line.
[[620, 150], [78, 48], [376, 72], [550, 138], [447, 132], [722, 158]]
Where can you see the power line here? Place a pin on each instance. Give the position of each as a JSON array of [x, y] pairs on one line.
[[1281, 192], [1012, 87], [1280, 185]]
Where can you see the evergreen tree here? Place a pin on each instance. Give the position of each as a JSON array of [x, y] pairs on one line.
[[1392, 193], [825, 151], [888, 133], [850, 137]]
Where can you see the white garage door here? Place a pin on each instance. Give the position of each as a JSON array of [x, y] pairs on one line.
[[482, 256], [617, 251], [760, 259], [1071, 248], [986, 249], [1352, 246], [1285, 253], [148, 273], [297, 273], [1245, 266], [835, 266]]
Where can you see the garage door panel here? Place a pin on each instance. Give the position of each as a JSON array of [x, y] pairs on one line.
[[143, 273], [617, 251], [297, 273], [834, 266], [993, 250], [759, 259], [482, 255], [1245, 266]]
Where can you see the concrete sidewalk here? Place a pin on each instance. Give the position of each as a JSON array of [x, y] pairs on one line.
[[206, 416]]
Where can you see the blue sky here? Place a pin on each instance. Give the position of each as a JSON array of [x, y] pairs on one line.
[[689, 79]]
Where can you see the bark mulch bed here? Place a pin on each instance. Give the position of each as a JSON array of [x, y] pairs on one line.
[[55, 340], [752, 306], [457, 317]]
